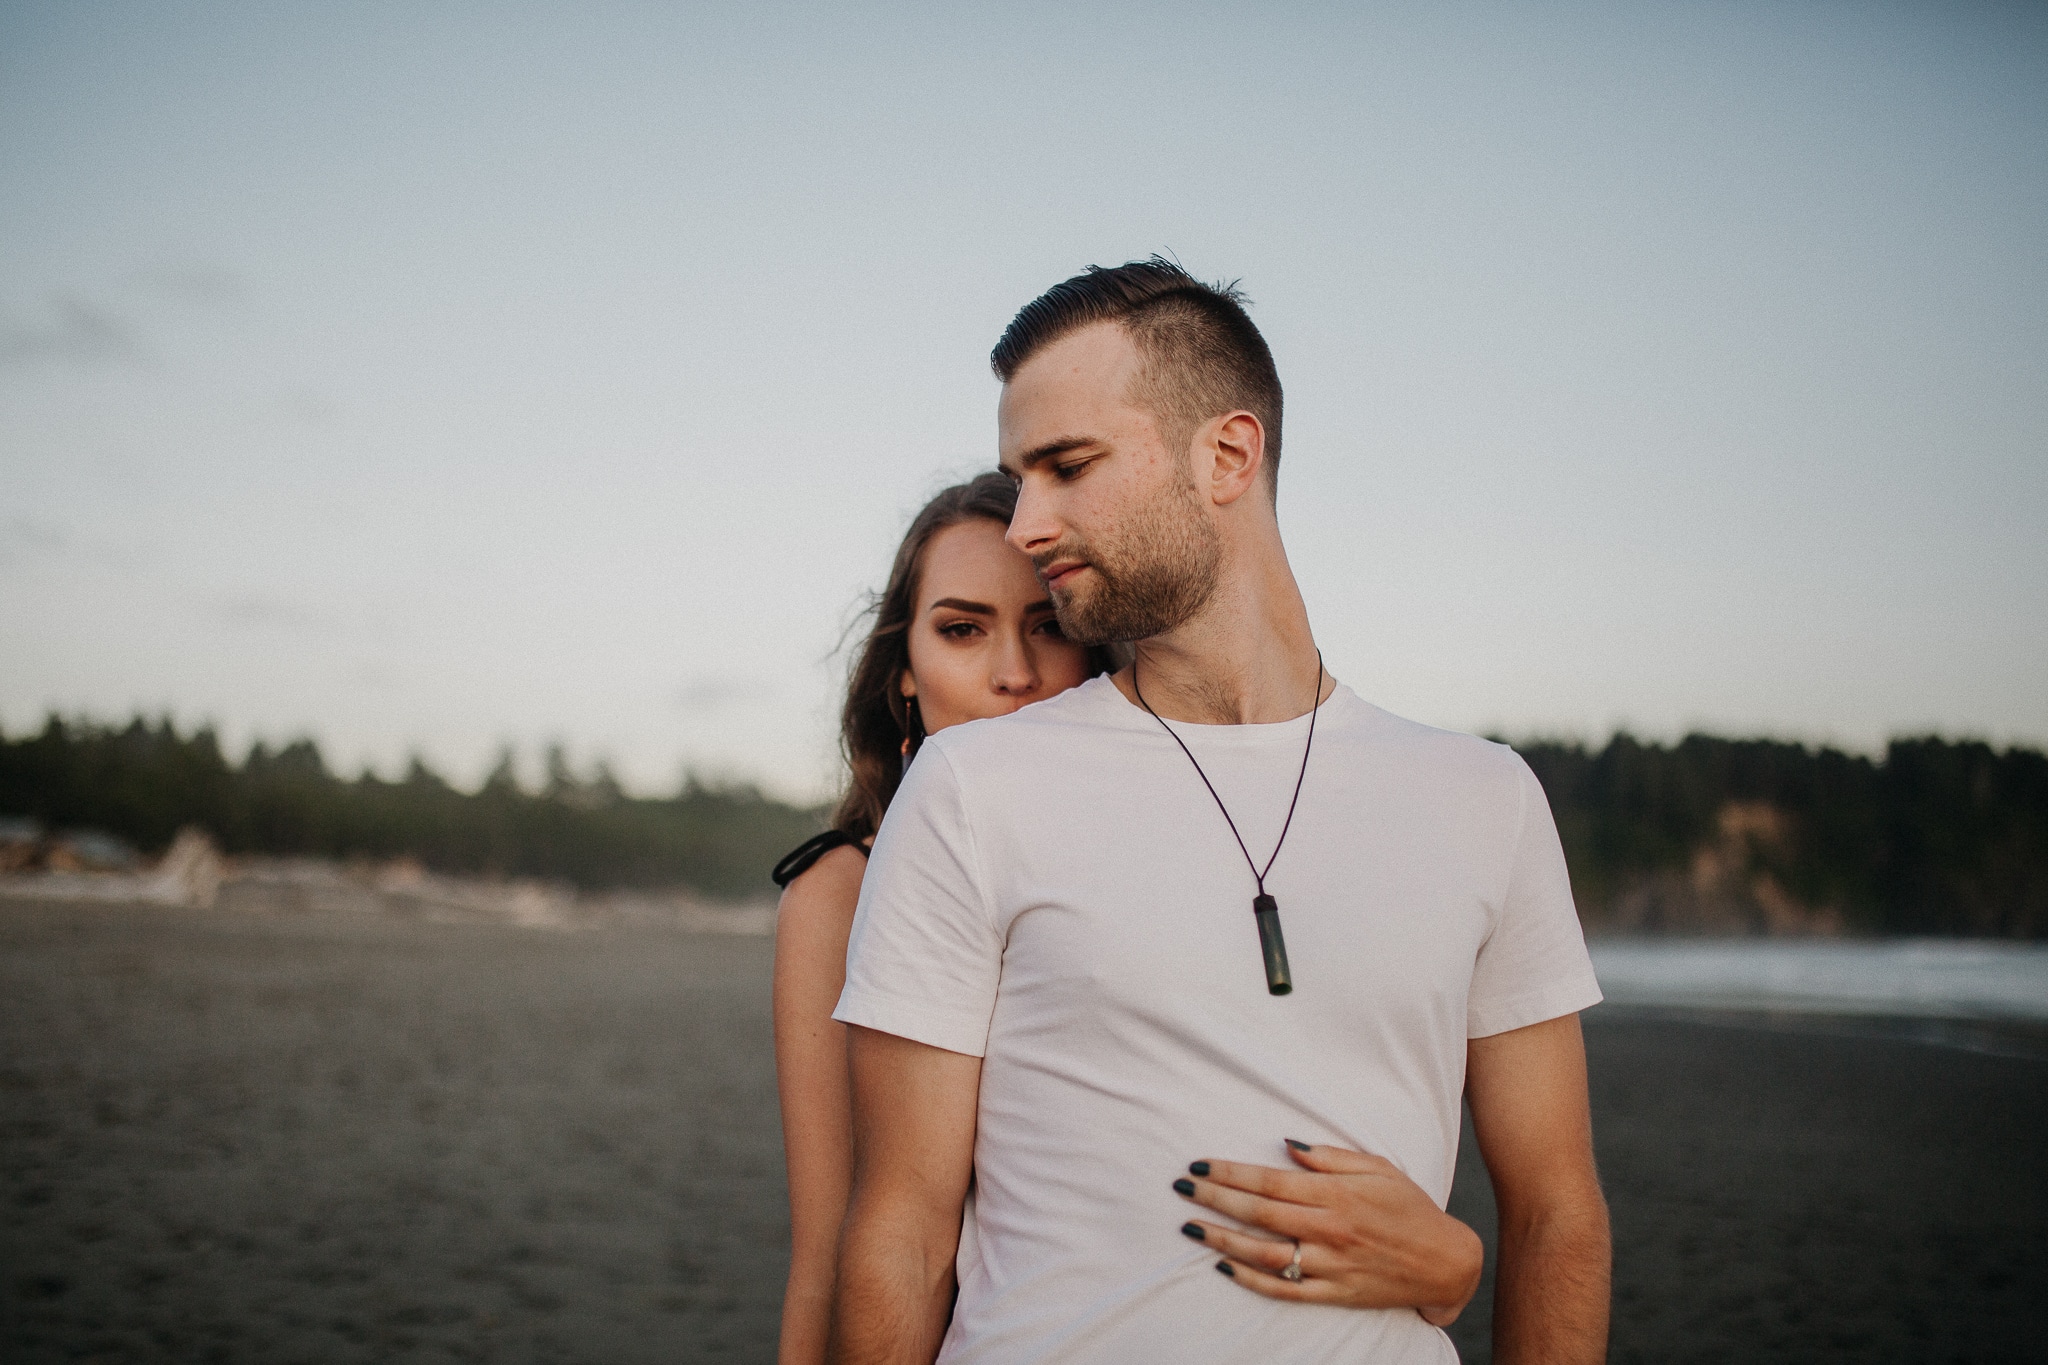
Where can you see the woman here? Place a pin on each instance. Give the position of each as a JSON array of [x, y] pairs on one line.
[[964, 631]]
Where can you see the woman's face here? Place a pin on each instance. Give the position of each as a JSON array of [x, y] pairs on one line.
[[983, 641]]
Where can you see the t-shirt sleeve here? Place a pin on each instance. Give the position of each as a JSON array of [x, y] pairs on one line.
[[1533, 966], [925, 954]]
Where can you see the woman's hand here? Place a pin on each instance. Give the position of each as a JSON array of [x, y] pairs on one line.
[[1370, 1238]]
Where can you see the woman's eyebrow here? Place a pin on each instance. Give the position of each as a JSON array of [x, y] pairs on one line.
[[962, 604]]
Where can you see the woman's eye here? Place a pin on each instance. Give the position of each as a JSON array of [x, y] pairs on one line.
[[959, 630], [1050, 627]]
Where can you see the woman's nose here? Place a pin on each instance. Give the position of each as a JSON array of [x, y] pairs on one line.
[[1016, 672]]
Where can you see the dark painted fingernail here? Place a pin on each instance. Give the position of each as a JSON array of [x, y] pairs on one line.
[[1183, 1187], [1193, 1230], [1198, 1168], [1297, 1146], [1224, 1266]]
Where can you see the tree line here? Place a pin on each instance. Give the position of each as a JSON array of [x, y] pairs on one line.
[[1932, 837], [145, 781]]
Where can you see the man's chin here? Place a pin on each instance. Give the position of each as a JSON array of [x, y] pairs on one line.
[[1067, 596], [1071, 608], [1076, 625], [1088, 611]]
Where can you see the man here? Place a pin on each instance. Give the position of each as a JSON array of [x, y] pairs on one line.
[[1073, 1067]]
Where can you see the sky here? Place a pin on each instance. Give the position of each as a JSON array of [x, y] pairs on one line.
[[431, 378]]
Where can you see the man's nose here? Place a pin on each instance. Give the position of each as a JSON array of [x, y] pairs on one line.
[[1032, 528]]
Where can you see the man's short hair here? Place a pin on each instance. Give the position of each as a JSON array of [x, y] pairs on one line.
[[1202, 355]]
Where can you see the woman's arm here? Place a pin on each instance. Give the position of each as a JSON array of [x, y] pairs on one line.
[[817, 1103], [1371, 1238]]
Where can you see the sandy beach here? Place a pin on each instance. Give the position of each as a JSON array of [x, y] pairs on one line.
[[327, 1137]]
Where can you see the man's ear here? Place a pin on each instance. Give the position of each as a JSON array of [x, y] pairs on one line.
[[1237, 442]]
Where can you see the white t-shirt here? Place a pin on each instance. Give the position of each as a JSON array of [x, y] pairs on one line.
[[1056, 892]]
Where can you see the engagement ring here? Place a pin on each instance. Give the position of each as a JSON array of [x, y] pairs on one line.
[[1293, 1272]]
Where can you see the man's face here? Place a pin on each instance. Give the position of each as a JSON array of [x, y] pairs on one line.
[[1109, 515]]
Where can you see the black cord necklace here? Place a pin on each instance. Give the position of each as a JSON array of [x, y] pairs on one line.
[[1265, 909]]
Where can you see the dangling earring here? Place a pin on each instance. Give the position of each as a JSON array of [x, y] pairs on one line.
[[912, 727]]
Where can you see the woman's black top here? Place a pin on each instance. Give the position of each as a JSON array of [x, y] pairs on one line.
[[799, 859]]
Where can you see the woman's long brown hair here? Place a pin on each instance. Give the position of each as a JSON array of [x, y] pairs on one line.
[[875, 720]]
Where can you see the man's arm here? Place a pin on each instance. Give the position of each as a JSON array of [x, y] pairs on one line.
[[1527, 1089], [913, 1152]]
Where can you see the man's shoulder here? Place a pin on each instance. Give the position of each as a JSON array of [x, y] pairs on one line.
[[1038, 731], [1443, 756]]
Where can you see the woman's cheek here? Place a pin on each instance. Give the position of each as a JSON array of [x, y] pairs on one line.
[[1066, 665], [949, 681]]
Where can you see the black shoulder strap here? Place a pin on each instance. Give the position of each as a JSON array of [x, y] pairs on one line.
[[799, 859]]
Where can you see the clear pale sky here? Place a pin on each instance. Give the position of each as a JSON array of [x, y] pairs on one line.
[[432, 377]]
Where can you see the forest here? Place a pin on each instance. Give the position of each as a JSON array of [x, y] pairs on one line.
[[145, 781], [1934, 836]]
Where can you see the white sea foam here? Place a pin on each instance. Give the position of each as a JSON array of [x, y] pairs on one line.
[[1921, 978]]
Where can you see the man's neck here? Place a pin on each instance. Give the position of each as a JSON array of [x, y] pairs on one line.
[[1247, 658]]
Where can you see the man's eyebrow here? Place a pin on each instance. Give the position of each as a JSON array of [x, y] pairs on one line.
[[1038, 455], [962, 604]]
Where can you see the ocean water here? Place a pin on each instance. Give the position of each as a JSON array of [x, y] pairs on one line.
[[1903, 978]]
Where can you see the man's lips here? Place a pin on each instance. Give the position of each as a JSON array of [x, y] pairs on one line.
[[1058, 575]]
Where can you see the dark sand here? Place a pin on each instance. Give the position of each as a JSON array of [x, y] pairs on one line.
[[235, 1138]]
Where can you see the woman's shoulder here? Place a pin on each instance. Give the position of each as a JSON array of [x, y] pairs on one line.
[[821, 897], [834, 847]]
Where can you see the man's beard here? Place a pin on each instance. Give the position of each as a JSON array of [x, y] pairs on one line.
[[1159, 572]]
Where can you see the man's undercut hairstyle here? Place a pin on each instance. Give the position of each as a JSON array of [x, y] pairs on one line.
[[1202, 355]]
